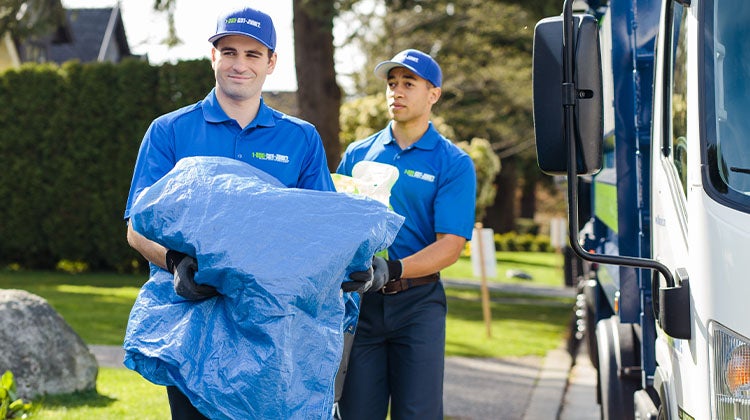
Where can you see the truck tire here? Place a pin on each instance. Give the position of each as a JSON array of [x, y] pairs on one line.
[[616, 349], [591, 293]]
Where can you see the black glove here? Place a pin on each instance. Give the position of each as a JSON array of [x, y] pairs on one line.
[[361, 281], [184, 268], [372, 280]]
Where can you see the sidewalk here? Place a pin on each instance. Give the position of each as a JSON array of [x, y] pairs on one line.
[[566, 389], [580, 396]]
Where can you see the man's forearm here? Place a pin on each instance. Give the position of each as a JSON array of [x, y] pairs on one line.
[[150, 250], [435, 257]]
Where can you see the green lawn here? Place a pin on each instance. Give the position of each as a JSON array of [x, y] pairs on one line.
[[517, 328], [121, 394], [97, 307], [545, 268]]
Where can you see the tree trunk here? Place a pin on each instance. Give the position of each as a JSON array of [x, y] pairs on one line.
[[318, 93], [501, 216], [528, 197]]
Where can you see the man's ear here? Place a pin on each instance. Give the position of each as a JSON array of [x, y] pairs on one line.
[[272, 63], [435, 93], [214, 51]]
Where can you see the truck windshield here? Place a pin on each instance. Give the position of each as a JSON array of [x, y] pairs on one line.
[[726, 79]]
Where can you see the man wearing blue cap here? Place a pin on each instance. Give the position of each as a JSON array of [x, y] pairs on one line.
[[399, 346], [231, 121]]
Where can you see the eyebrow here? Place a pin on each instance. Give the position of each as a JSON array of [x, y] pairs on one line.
[[252, 51]]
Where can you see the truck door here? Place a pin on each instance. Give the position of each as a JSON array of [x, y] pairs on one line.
[[675, 152]]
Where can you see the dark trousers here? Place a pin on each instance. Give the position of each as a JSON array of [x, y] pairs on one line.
[[398, 356], [181, 407]]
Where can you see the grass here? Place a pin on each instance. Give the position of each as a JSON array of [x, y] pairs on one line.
[[517, 328], [545, 268], [121, 394], [97, 307]]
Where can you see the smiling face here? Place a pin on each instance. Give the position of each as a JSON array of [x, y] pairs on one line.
[[241, 65], [410, 97]]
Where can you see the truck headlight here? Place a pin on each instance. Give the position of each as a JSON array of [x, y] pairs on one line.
[[737, 372], [730, 373]]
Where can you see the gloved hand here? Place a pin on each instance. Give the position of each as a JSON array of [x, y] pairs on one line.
[[361, 281], [374, 278], [184, 268]]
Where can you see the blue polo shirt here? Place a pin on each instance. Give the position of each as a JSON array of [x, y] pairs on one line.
[[435, 190], [285, 147]]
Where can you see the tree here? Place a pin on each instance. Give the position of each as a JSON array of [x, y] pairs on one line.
[[168, 6], [30, 19], [487, 166], [362, 117], [318, 92]]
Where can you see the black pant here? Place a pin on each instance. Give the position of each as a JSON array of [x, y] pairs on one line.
[[181, 407]]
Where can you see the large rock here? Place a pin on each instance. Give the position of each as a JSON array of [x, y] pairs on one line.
[[45, 355]]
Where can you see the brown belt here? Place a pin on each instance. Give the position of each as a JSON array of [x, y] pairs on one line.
[[399, 285]]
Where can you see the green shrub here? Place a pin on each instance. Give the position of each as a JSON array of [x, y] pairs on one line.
[[69, 141], [527, 226], [543, 244], [526, 242], [12, 407], [72, 267]]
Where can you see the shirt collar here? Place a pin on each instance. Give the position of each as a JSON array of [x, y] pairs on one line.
[[428, 141], [213, 112]]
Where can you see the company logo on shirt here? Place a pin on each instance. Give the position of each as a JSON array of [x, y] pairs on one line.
[[419, 175], [273, 157]]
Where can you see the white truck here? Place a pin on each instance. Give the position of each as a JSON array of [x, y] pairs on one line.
[[644, 105]]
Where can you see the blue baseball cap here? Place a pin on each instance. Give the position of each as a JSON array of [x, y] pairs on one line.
[[420, 63], [248, 22]]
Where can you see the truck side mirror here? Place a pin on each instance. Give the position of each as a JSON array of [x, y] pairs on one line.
[[549, 96]]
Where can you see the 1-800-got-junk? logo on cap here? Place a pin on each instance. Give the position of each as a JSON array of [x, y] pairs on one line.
[[248, 22], [420, 63]]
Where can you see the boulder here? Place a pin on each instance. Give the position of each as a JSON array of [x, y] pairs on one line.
[[45, 355]]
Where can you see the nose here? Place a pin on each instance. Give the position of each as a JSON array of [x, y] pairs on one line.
[[395, 91], [238, 66]]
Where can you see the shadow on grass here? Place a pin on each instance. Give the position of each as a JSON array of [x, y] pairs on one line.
[[504, 260], [76, 400]]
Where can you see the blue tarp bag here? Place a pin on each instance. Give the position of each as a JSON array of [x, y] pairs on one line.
[[269, 346]]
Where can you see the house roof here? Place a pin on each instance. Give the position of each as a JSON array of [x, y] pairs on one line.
[[92, 31]]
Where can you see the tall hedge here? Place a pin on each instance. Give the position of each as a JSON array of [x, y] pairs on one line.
[[68, 141]]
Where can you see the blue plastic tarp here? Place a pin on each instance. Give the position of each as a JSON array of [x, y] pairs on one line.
[[270, 345]]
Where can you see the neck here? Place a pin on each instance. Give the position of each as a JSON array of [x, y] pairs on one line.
[[408, 133], [243, 111]]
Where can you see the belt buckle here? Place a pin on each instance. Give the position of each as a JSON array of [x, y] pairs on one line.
[[383, 291]]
